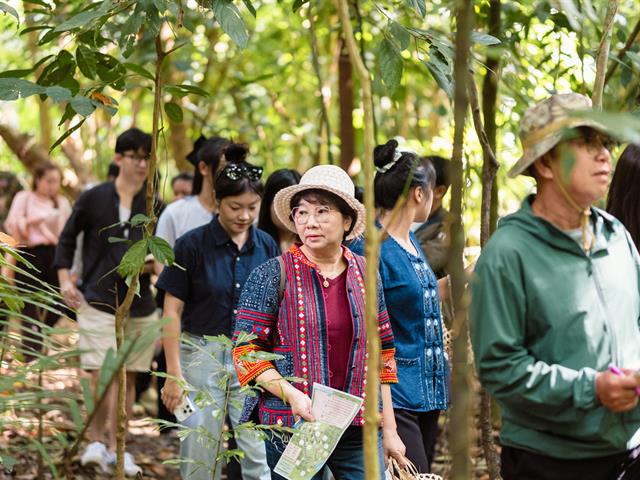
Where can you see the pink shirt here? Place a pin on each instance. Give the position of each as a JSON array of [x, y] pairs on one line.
[[34, 220]]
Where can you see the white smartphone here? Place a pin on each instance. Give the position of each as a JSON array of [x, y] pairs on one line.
[[185, 409]]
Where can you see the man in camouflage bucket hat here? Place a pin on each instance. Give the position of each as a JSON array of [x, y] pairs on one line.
[[555, 304]]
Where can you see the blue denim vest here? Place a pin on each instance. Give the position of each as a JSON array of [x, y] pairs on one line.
[[411, 294]]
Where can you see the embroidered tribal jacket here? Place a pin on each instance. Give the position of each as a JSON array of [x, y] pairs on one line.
[[296, 330]]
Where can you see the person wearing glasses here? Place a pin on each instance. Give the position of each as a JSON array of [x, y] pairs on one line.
[[307, 306], [555, 308], [201, 299], [100, 213]]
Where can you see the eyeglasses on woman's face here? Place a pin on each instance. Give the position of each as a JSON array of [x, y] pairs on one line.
[[301, 215], [237, 171]]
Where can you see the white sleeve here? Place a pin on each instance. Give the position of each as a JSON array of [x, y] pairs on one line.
[[166, 228]]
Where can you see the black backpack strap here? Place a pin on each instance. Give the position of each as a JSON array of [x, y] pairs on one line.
[[283, 278]]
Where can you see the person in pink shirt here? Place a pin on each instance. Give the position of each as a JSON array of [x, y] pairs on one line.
[[36, 218]]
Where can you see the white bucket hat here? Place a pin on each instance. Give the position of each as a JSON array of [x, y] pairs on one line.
[[329, 178]]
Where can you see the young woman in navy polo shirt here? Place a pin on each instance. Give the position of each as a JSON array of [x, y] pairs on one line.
[[201, 300]]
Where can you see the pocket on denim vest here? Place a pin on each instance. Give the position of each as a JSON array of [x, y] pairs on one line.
[[409, 391]]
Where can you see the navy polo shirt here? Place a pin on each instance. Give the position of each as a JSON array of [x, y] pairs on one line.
[[213, 276]]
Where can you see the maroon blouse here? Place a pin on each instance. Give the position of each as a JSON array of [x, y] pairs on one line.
[[339, 329]]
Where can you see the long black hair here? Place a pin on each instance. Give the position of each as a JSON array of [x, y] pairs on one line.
[[238, 176], [210, 152], [278, 180], [623, 201], [398, 171]]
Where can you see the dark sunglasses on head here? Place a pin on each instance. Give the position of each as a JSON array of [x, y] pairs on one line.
[[237, 171]]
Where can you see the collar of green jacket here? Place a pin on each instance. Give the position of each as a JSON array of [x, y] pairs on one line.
[[605, 226]]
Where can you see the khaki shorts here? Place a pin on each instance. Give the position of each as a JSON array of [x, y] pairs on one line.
[[98, 334]]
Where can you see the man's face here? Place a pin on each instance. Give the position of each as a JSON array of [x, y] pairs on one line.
[[585, 166], [181, 188], [134, 165]]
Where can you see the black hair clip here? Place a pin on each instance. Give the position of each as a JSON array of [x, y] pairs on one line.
[[197, 145]]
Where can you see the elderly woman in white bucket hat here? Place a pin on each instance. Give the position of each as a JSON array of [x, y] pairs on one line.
[[307, 306]]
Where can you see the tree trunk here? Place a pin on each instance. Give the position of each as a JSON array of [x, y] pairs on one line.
[[345, 90], [603, 55], [461, 408], [371, 415], [73, 152]]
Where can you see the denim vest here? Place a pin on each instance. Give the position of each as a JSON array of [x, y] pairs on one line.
[[411, 294]]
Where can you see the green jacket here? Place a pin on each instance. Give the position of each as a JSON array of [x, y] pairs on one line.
[[545, 317]]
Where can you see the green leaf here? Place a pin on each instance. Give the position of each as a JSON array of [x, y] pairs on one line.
[[82, 105], [133, 261], [8, 9], [174, 112], [87, 394], [16, 73], [86, 60], [161, 250], [8, 462], [15, 88], [139, 219], [624, 127], [228, 15], [139, 69], [83, 19], [64, 136], [130, 29], [58, 94], [401, 34], [390, 64], [439, 75], [484, 38], [252, 10], [117, 240], [74, 409], [419, 6], [183, 89]]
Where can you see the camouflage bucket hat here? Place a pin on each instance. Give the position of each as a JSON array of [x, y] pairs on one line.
[[544, 125]]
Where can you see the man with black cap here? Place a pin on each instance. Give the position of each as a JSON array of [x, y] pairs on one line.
[[555, 309]]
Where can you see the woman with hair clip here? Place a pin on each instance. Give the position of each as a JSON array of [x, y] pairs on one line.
[[198, 208], [268, 220], [623, 201], [36, 219], [403, 192], [201, 300]]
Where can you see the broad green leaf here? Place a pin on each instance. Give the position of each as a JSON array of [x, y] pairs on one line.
[[484, 38], [390, 64], [82, 105], [401, 34], [441, 77], [161, 250], [182, 89], [86, 60], [133, 261], [8, 462], [139, 219], [139, 69], [249, 5], [58, 94], [624, 127], [16, 73], [174, 112], [419, 6], [84, 18], [14, 88], [117, 240], [130, 30], [8, 9], [634, 57], [228, 15]]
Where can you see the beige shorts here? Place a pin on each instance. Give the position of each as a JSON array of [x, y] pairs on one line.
[[98, 334]]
